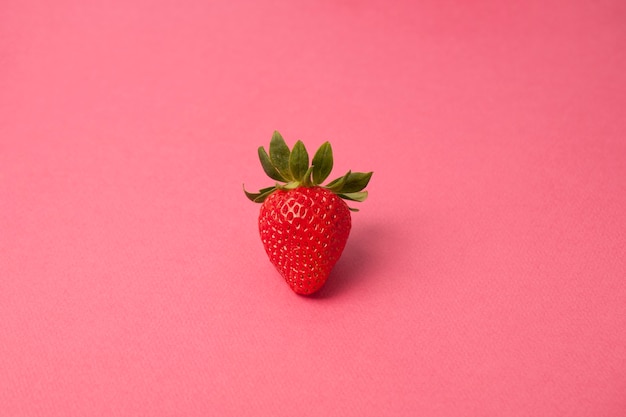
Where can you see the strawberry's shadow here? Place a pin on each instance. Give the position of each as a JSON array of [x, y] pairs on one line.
[[355, 262]]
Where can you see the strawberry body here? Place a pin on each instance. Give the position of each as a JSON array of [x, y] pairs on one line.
[[304, 232]]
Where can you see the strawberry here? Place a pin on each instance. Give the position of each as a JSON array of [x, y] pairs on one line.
[[304, 226]]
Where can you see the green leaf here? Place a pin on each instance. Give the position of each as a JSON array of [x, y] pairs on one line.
[[306, 181], [261, 195], [358, 196], [355, 181], [264, 195], [290, 185], [322, 163], [337, 184], [266, 189], [298, 161], [268, 167], [279, 155]]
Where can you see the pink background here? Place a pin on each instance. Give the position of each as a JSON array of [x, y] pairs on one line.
[[483, 277]]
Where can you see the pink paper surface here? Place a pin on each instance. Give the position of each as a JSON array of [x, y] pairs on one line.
[[484, 276]]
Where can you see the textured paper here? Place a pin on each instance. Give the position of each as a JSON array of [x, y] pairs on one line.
[[484, 276]]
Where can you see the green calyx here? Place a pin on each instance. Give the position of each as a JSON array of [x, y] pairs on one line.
[[291, 169]]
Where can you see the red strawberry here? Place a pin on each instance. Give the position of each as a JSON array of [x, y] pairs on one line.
[[304, 226]]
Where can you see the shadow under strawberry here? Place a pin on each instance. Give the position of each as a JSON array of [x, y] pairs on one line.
[[355, 266]]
